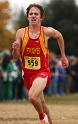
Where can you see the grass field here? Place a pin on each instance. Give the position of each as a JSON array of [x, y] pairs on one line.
[[64, 110]]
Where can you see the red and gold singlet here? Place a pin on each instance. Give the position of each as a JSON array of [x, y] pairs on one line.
[[35, 57]]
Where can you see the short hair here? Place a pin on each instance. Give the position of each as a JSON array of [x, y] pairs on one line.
[[38, 6]]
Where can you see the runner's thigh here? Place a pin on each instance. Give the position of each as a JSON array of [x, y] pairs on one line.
[[38, 85]]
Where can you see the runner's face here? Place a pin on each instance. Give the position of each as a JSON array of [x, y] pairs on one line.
[[34, 16]]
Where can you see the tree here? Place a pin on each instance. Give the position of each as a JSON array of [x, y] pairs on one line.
[[62, 15], [6, 36], [21, 21]]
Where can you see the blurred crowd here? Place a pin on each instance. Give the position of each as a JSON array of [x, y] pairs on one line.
[[11, 83], [63, 81]]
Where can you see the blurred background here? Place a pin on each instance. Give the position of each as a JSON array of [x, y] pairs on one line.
[[59, 14]]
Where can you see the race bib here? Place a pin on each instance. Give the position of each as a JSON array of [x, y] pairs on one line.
[[32, 63]]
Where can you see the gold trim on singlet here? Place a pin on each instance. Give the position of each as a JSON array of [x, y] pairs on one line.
[[42, 42], [25, 40]]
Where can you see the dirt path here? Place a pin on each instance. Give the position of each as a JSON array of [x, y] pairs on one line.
[[25, 114]]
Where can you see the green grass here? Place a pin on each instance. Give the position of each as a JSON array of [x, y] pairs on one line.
[[67, 99], [71, 99]]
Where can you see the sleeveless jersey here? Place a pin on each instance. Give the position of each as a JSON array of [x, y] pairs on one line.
[[35, 54]]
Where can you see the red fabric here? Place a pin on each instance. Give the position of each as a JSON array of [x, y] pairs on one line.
[[41, 116], [31, 76], [35, 48]]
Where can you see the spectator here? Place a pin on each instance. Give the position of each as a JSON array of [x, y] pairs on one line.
[[1, 76], [7, 70], [74, 72], [52, 89], [62, 79], [19, 79]]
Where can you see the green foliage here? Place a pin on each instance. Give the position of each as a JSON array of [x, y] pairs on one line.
[[6, 36], [71, 99], [21, 21], [62, 15]]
